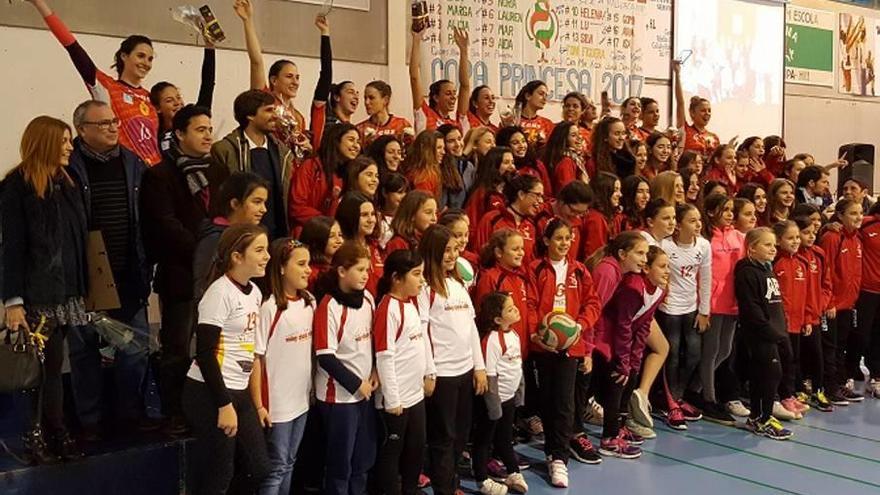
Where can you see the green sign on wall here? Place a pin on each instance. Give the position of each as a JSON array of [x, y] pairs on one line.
[[809, 46]]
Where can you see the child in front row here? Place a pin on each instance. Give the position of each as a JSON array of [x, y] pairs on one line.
[[405, 365], [281, 381], [344, 379], [763, 318], [495, 413]]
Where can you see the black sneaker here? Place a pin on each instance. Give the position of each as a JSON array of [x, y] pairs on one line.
[[849, 392], [583, 451], [717, 414], [64, 446], [836, 398], [37, 452]]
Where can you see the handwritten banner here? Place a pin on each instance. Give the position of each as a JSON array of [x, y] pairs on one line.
[[573, 45]]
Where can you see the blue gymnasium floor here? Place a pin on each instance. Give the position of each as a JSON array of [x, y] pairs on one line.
[[834, 453]]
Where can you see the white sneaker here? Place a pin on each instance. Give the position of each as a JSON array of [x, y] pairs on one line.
[[781, 413], [737, 408], [595, 414], [874, 388], [492, 487], [640, 408], [640, 429], [558, 473], [516, 483]]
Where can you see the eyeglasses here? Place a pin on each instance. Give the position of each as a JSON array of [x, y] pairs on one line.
[[104, 124], [537, 195]]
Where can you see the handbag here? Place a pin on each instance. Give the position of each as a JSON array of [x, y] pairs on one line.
[[21, 362]]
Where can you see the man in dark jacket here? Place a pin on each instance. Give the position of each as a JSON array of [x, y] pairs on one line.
[[108, 177], [175, 198]]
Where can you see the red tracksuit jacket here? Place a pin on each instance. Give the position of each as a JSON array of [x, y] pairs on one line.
[[597, 231], [870, 236], [577, 230], [581, 300], [818, 296], [843, 250], [519, 285], [791, 271], [506, 219]]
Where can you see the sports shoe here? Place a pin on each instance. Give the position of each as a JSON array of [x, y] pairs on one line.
[[640, 408], [618, 447], [803, 407], [803, 397], [874, 388], [424, 481], [771, 428], [522, 462], [676, 420], [849, 392], [781, 413], [582, 450], [736, 408], [640, 429], [689, 411], [492, 487], [533, 426], [793, 406], [516, 483], [594, 414], [820, 402], [630, 436], [715, 413], [496, 470], [558, 473]]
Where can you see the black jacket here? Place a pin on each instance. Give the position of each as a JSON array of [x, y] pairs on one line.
[[206, 250], [138, 275], [170, 222], [761, 314], [44, 242]]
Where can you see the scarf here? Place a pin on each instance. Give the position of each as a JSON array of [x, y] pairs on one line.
[[193, 169], [353, 299], [99, 157]]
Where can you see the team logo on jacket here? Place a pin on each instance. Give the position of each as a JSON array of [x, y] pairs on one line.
[[773, 293]]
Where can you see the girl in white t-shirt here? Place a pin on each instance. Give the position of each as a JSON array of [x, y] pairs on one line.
[[281, 382], [345, 379], [406, 371], [684, 314], [215, 397]]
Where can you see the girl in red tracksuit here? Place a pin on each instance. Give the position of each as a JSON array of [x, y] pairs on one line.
[[621, 339], [815, 303], [599, 225], [791, 271], [843, 250], [563, 285], [869, 299], [417, 212]]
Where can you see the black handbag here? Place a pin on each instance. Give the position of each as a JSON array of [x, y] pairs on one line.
[[21, 365]]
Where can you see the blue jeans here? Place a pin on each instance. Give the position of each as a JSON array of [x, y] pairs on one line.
[[282, 442], [130, 369], [351, 446]]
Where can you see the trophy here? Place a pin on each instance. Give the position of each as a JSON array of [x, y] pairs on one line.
[[201, 20], [420, 20]]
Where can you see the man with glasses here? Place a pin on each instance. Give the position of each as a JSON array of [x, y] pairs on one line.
[[109, 177], [571, 204]]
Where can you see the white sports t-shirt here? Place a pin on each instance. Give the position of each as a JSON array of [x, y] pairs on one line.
[[285, 340], [403, 354], [237, 314], [561, 269], [451, 328], [690, 277], [347, 333], [504, 360]]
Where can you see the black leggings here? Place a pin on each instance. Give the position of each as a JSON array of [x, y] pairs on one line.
[[557, 375], [401, 452], [215, 454], [685, 349], [869, 330], [786, 361], [834, 348], [766, 375], [613, 396], [489, 434], [449, 425], [812, 364]]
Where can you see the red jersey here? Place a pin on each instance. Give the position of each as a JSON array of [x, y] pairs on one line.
[[703, 142], [310, 194], [537, 130], [843, 250], [597, 231], [377, 266], [791, 272], [395, 126], [540, 171], [587, 136], [818, 284], [399, 242], [569, 170], [428, 181], [472, 122], [581, 300], [518, 284], [481, 202], [426, 118], [870, 236], [727, 180], [507, 219]]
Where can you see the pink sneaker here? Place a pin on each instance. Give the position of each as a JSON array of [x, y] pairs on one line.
[[792, 405], [800, 406], [690, 412], [424, 481], [630, 437], [676, 420]]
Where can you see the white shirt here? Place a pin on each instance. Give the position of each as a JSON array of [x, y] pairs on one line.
[[451, 328], [403, 354], [385, 230], [285, 340], [253, 145], [347, 333], [690, 277], [561, 269], [237, 314], [504, 360]]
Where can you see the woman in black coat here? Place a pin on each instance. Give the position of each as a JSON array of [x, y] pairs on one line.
[[45, 233]]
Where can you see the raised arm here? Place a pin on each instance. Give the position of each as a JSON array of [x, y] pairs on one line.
[[209, 74], [81, 60], [680, 120], [245, 12], [322, 89], [462, 40], [415, 72]]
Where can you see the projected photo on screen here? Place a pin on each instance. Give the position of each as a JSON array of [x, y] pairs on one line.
[[736, 62]]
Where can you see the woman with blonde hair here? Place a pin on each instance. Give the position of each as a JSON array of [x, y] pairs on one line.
[[668, 185], [45, 276]]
